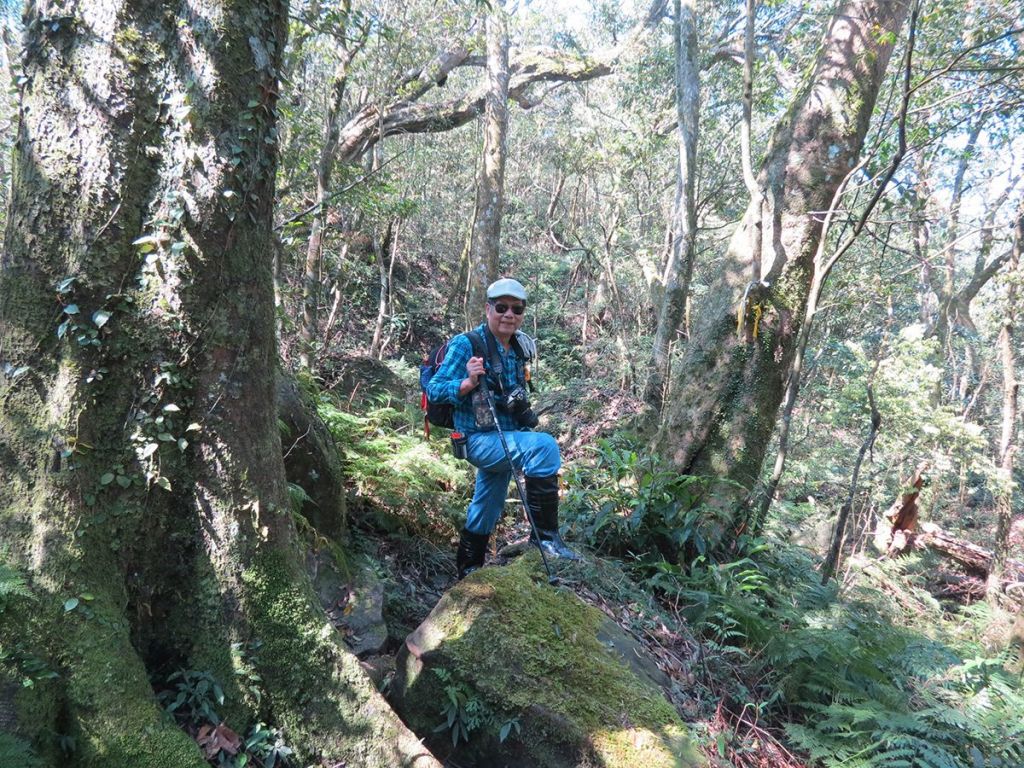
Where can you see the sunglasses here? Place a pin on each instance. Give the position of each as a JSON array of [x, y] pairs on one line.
[[501, 309]]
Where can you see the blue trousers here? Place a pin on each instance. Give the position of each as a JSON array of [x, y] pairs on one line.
[[536, 454]]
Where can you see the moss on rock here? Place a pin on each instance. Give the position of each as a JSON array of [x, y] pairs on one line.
[[543, 657]]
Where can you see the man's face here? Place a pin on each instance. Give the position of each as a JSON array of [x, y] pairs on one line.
[[502, 318]]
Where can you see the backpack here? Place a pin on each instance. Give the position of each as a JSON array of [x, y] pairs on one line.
[[442, 414]]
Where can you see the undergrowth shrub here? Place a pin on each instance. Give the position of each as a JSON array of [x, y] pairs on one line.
[[862, 678], [391, 466], [866, 676], [628, 501]]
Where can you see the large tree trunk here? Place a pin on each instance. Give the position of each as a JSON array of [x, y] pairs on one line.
[[684, 215], [490, 185], [730, 383], [144, 491]]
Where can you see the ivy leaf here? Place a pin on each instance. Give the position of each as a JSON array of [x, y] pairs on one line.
[[100, 317], [70, 604], [164, 483], [148, 450], [107, 478], [182, 443], [146, 243], [124, 481], [71, 309]]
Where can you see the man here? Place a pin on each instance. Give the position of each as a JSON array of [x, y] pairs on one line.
[[536, 454]]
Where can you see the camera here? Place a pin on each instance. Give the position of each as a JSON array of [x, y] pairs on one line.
[[517, 404]]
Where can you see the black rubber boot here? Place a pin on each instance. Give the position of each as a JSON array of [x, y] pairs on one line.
[[471, 552], [542, 496]]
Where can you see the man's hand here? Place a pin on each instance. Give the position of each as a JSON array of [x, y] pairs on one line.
[[474, 370]]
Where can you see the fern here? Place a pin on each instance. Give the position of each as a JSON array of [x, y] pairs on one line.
[[16, 752], [12, 586]]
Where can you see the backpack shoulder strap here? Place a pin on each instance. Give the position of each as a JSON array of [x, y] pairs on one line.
[[477, 343]]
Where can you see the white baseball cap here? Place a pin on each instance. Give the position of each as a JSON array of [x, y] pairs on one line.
[[506, 286]]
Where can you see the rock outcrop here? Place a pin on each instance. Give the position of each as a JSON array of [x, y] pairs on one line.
[[517, 673]]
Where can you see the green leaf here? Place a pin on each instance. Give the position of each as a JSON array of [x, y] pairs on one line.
[[70, 604], [100, 317], [87, 596], [164, 483], [71, 309], [171, 408], [146, 243], [149, 450], [124, 481], [182, 443], [193, 427], [107, 478]]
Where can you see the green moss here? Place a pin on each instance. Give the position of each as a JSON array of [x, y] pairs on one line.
[[118, 722], [535, 653], [292, 633], [318, 692]]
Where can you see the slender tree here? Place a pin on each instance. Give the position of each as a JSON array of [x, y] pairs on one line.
[[348, 48], [684, 213]]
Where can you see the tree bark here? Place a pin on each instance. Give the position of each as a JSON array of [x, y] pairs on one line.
[[684, 215], [384, 251], [139, 444], [490, 185], [730, 384], [1011, 390]]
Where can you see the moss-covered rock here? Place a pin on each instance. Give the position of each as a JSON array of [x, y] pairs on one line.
[[311, 459], [512, 651]]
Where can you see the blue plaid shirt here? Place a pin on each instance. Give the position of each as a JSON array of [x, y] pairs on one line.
[[444, 387]]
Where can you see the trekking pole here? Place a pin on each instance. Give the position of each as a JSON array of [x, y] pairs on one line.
[[553, 580]]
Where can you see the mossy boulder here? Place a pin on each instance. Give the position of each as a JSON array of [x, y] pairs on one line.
[[312, 460], [512, 656]]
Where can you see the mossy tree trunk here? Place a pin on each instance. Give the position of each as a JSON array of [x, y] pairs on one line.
[[144, 490], [732, 376]]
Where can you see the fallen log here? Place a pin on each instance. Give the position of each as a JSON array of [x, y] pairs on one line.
[[974, 559]]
